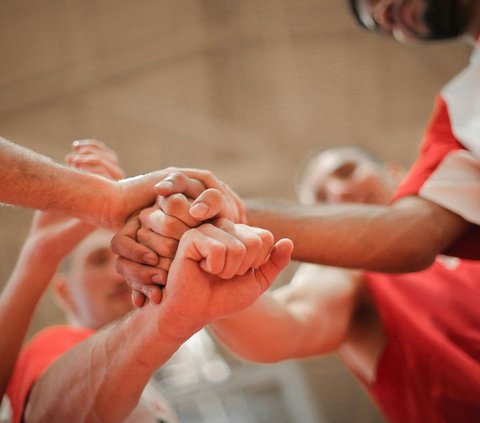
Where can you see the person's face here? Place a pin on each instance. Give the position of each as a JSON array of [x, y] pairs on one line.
[[409, 20], [97, 293], [345, 177]]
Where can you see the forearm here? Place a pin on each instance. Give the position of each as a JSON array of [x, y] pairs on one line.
[[17, 305], [265, 332], [392, 239], [101, 379], [32, 180]]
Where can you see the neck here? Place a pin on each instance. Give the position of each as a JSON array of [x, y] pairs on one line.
[[473, 28]]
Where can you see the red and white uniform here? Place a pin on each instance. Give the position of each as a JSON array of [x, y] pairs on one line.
[[51, 343], [430, 368], [448, 169]]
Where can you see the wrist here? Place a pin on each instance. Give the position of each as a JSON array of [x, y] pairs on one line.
[[106, 204], [172, 323], [157, 334]]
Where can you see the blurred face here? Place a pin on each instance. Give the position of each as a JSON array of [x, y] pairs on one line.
[[98, 294], [345, 177], [409, 20]]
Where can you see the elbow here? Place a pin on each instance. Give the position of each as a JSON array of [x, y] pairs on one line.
[[411, 258], [416, 259], [407, 261]]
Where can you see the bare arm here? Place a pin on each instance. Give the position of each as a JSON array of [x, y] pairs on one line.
[[102, 378], [309, 316], [33, 271], [31, 180], [404, 237], [51, 238]]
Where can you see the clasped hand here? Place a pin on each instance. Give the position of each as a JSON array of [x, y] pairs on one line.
[[193, 243]]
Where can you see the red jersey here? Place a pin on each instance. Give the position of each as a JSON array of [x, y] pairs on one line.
[[51, 343], [430, 369], [448, 169], [35, 358]]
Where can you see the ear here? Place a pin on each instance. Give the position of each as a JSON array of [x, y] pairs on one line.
[[63, 296]]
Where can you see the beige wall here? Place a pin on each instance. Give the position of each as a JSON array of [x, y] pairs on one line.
[[245, 88]]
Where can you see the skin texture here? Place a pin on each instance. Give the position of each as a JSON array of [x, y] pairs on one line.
[[52, 236], [33, 180]]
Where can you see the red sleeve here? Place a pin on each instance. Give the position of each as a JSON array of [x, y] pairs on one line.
[[36, 357], [437, 143]]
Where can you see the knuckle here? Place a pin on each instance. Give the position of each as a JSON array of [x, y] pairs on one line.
[[218, 248], [222, 223], [253, 242], [238, 249], [171, 226]]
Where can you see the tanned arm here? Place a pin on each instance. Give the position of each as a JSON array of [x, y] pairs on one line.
[[404, 237]]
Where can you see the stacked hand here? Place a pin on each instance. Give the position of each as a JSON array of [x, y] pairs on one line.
[[214, 270], [218, 270]]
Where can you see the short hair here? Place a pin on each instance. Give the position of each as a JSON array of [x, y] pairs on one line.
[[356, 13]]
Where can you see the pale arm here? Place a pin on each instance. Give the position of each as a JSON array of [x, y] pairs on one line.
[[404, 237], [31, 180], [33, 271], [312, 315], [51, 238], [101, 379]]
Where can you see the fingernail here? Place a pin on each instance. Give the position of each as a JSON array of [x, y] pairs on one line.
[[199, 210], [165, 184], [150, 259], [159, 278]]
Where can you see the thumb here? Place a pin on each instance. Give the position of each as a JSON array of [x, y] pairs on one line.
[[278, 260]]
